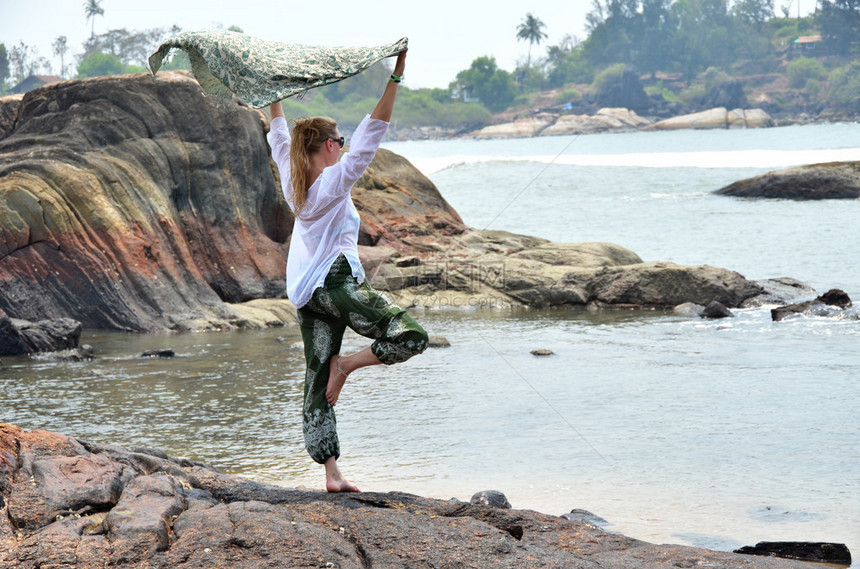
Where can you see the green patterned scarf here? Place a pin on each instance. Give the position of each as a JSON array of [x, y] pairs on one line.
[[262, 72]]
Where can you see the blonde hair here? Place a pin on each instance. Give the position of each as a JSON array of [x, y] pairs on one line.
[[308, 135]]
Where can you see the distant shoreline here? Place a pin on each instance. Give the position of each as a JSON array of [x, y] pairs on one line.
[[442, 133]]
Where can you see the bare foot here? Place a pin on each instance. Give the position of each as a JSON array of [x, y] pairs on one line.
[[336, 379], [341, 485], [334, 480]]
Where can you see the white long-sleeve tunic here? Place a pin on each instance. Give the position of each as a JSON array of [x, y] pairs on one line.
[[329, 222]]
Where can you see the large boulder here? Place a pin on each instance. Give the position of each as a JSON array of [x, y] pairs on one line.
[[9, 106], [834, 180], [832, 303], [615, 119], [716, 118], [833, 554], [138, 204], [520, 128], [497, 268], [19, 337], [606, 119], [73, 503]]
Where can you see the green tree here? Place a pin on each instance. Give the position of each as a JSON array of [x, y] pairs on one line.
[[441, 95], [60, 47], [753, 12], [704, 35], [366, 84], [530, 79], [754, 38], [97, 64], [4, 67], [654, 36], [131, 47], [93, 8], [839, 21], [802, 70], [565, 63], [531, 30], [420, 108], [494, 87], [607, 79], [843, 87], [612, 27], [24, 60], [178, 60]]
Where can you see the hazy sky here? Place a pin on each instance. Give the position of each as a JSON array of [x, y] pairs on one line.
[[445, 36]]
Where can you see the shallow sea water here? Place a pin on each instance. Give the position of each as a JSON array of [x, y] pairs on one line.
[[676, 430], [716, 434]]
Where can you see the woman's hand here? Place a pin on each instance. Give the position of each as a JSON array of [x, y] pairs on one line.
[[276, 110], [385, 106], [400, 65]]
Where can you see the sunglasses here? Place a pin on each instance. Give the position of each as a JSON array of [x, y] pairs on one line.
[[340, 141]]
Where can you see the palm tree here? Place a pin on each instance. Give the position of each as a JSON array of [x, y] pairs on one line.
[[531, 29], [93, 8], [61, 47]]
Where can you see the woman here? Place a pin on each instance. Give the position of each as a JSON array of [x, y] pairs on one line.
[[325, 279]]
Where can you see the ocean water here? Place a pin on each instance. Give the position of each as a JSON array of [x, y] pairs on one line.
[[676, 430], [651, 192]]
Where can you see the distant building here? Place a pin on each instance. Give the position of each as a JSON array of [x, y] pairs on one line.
[[807, 44], [464, 94], [33, 82]]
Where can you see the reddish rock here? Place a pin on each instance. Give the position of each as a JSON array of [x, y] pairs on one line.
[[55, 476], [139, 524], [172, 513], [136, 203]]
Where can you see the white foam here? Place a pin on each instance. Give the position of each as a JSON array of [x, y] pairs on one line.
[[708, 159]]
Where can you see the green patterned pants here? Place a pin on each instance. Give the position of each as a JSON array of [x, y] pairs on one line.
[[339, 303]]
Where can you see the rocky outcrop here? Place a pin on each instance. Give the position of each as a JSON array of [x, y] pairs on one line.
[[716, 118], [623, 90], [554, 124], [834, 180], [621, 119], [729, 94], [495, 268], [520, 128], [135, 203], [814, 551], [73, 503], [9, 106], [607, 119], [832, 303], [19, 337]]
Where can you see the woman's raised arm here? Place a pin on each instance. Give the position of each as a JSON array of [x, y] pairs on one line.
[[276, 110], [385, 106]]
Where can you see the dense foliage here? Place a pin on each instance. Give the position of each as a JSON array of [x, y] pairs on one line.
[[694, 40], [485, 82], [844, 87], [350, 100]]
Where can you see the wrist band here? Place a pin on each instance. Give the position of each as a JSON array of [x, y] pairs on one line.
[[396, 79]]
